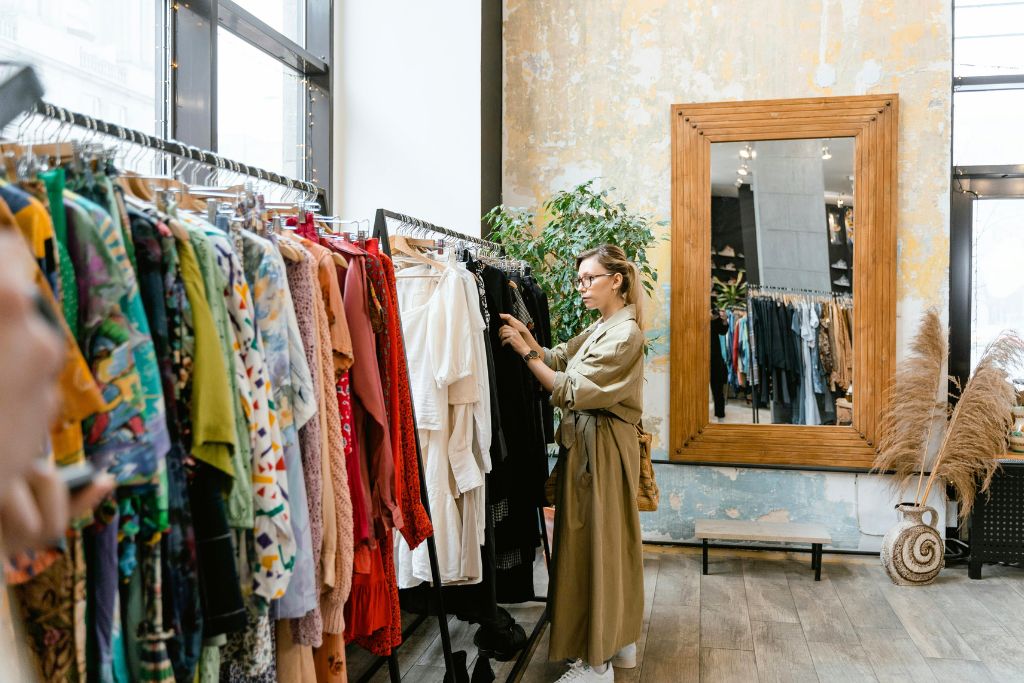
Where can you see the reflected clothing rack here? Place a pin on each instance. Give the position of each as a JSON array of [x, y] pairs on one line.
[[754, 290]]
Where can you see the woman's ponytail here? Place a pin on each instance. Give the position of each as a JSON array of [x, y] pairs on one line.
[[634, 293]]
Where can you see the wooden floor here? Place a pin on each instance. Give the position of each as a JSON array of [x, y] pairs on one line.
[[421, 659], [762, 617]]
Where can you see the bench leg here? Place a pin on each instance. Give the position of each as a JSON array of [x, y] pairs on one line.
[[704, 564], [816, 552]]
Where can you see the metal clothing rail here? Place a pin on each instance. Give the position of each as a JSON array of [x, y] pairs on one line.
[[171, 147], [383, 214], [790, 290]]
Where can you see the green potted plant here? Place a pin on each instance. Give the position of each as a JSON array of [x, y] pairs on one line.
[[730, 295], [577, 220]]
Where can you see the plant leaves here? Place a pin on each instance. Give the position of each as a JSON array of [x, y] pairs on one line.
[[578, 219]]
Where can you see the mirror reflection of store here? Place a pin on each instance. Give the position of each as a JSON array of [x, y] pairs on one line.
[[782, 276]]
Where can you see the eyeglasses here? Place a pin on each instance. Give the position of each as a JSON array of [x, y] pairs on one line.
[[587, 281]]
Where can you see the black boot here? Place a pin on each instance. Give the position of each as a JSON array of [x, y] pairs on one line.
[[501, 638]]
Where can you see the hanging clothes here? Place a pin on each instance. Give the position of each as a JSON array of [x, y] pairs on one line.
[[250, 393], [286, 365], [800, 354], [444, 369]]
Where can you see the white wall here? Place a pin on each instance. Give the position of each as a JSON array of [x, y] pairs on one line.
[[407, 110]]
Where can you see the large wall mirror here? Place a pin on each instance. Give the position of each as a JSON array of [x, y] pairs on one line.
[[783, 289]]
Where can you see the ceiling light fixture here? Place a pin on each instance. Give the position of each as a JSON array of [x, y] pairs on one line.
[[825, 153], [839, 202], [743, 170], [748, 152], [739, 182]]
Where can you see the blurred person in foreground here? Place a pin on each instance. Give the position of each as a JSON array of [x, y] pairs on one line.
[[35, 504]]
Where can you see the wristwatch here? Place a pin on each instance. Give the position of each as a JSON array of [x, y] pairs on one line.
[[531, 355]]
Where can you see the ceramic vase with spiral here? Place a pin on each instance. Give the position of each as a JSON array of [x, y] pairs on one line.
[[912, 551]]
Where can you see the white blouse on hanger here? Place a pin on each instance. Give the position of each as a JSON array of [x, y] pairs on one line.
[[441, 327]]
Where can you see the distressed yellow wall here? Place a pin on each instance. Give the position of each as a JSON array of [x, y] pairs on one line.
[[588, 86]]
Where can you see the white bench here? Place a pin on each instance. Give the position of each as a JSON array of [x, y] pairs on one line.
[[741, 530]]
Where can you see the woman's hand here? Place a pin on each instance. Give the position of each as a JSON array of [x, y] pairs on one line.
[[512, 338], [37, 510], [523, 331]]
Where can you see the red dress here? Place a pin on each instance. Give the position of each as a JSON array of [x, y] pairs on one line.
[[417, 522]]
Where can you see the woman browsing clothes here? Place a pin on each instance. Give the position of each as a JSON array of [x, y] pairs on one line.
[[596, 380]]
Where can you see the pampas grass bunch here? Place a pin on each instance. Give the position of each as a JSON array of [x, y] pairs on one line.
[[974, 435], [914, 409]]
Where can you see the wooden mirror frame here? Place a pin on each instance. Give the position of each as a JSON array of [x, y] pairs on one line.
[[872, 121]]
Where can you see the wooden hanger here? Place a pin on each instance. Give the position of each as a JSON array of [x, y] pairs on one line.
[[133, 185], [288, 251], [400, 243]]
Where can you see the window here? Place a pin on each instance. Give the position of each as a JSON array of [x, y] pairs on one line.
[[998, 301], [248, 79], [97, 57], [259, 121], [987, 217], [989, 38], [287, 17], [987, 128], [265, 73]]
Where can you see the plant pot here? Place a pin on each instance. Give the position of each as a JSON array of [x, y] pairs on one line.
[[912, 551], [1017, 431]]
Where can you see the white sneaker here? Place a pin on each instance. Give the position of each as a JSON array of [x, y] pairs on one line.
[[625, 658], [579, 672]]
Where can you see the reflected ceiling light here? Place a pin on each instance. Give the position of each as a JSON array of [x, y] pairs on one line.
[[739, 182], [839, 202], [748, 152], [743, 170], [825, 153]]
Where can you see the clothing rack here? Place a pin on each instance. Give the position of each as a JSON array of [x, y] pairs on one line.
[[171, 147], [380, 231], [455, 671], [756, 289]]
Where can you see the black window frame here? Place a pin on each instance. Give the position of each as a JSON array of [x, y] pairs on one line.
[[192, 108], [968, 185]]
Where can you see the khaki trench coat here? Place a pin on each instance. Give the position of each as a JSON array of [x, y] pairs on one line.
[[598, 581]]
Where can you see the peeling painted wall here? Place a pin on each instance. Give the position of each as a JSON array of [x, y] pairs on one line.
[[588, 86]]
